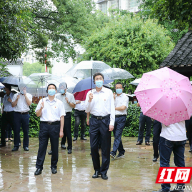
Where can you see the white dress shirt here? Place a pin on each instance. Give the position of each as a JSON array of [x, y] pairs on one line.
[[80, 106], [22, 105], [102, 104], [71, 99], [121, 100], [52, 110], [7, 105], [174, 132]]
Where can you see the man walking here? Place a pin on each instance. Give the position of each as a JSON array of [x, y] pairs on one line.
[[8, 113], [121, 105], [80, 116], [21, 101], [69, 103], [51, 112], [100, 103]]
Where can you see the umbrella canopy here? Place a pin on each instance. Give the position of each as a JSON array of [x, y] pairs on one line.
[[81, 95], [86, 84], [41, 81], [117, 73], [85, 69], [1, 86], [135, 82], [16, 80], [165, 95]]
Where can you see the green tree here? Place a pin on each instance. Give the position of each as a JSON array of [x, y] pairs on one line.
[[37, 67], [130, 43], [58, 26]]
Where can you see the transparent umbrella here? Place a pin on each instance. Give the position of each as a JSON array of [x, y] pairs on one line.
[[16, 80], [85, 69], [1, 86], [41, 81], [117, 73], [135, 82]]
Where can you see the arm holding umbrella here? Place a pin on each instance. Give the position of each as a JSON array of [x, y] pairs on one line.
[[27, 99], [15, 100], [40, 106]]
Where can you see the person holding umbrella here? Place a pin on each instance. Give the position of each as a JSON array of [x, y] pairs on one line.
[[21, 101], [100, 104], [51, 112], [69, 103], [8, 113]]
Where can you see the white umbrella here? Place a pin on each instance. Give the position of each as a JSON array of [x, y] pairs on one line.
[[135, 82], [1, 85]]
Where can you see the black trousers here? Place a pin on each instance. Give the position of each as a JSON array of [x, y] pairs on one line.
[[67, 131], [156, 137], [48, 131], [79, 116], [99, 129], [188, 124], [7, 118]]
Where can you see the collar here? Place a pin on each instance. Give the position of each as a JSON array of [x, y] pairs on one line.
[[47, 99], [119, 95], [102, 90]]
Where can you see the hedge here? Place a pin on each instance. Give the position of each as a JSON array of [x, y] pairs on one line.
[[131, 127]]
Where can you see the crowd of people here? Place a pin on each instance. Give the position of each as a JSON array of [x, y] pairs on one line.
[[105, 112]]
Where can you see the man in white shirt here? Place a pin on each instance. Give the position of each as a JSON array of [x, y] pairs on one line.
[[21, 102], [8, 113], [51, 112], [100, 104], [172, 139], [79, 115], [69, 103], [121, 105]]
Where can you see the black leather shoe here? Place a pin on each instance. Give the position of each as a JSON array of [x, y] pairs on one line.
[[54, 170], [19, 144], [50, 152], [15, 148], [147, 143], [83, 138], [155, 159], [38, 172], [69, 151], [138, 143], [63, 147], [26, 149], [96, 174], [104, 176], [75, 139], [190, 150], [2, 144]]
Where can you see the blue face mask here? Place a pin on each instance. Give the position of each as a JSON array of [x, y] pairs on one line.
[[118, 91], [51, 92], [22, 92], [4, 91], [62, 91], [135, 102], [99, 83]]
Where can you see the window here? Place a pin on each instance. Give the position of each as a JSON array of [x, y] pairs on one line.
[[134, 3]]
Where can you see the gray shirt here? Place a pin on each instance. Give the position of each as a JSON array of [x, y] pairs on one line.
[[7, 105], [71, 99]]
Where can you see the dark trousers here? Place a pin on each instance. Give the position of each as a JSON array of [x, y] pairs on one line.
[[21, 120], [118, 130], [166, 147], [79, 116], [188, 124], [48, 131], [67, 131], [99, 129], [156, 137], [7, 119], [8, 131], [143, 119]]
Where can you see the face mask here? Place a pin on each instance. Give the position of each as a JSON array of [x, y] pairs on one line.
[[51, 92], [22, 92], [4, 91], [135, 101], [62, 91], [118, 91], [99, 83]]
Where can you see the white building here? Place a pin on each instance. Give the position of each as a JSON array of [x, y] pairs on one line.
[[130, 5]]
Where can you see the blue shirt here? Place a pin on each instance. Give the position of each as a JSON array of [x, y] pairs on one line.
[[7, 105]]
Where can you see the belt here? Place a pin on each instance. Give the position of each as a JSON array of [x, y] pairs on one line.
[[7, 111], [22, 112], [79, 110], [119, 115], [100, 117], [51, 123]]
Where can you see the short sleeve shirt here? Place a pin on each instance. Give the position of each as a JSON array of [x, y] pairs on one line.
[[121, 100], [7, 105], [52, 110]]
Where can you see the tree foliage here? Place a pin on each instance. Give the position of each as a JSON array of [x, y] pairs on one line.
[[51, 27], [130, 43]]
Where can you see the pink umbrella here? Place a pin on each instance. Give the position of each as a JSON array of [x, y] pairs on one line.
[[165, 95]]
